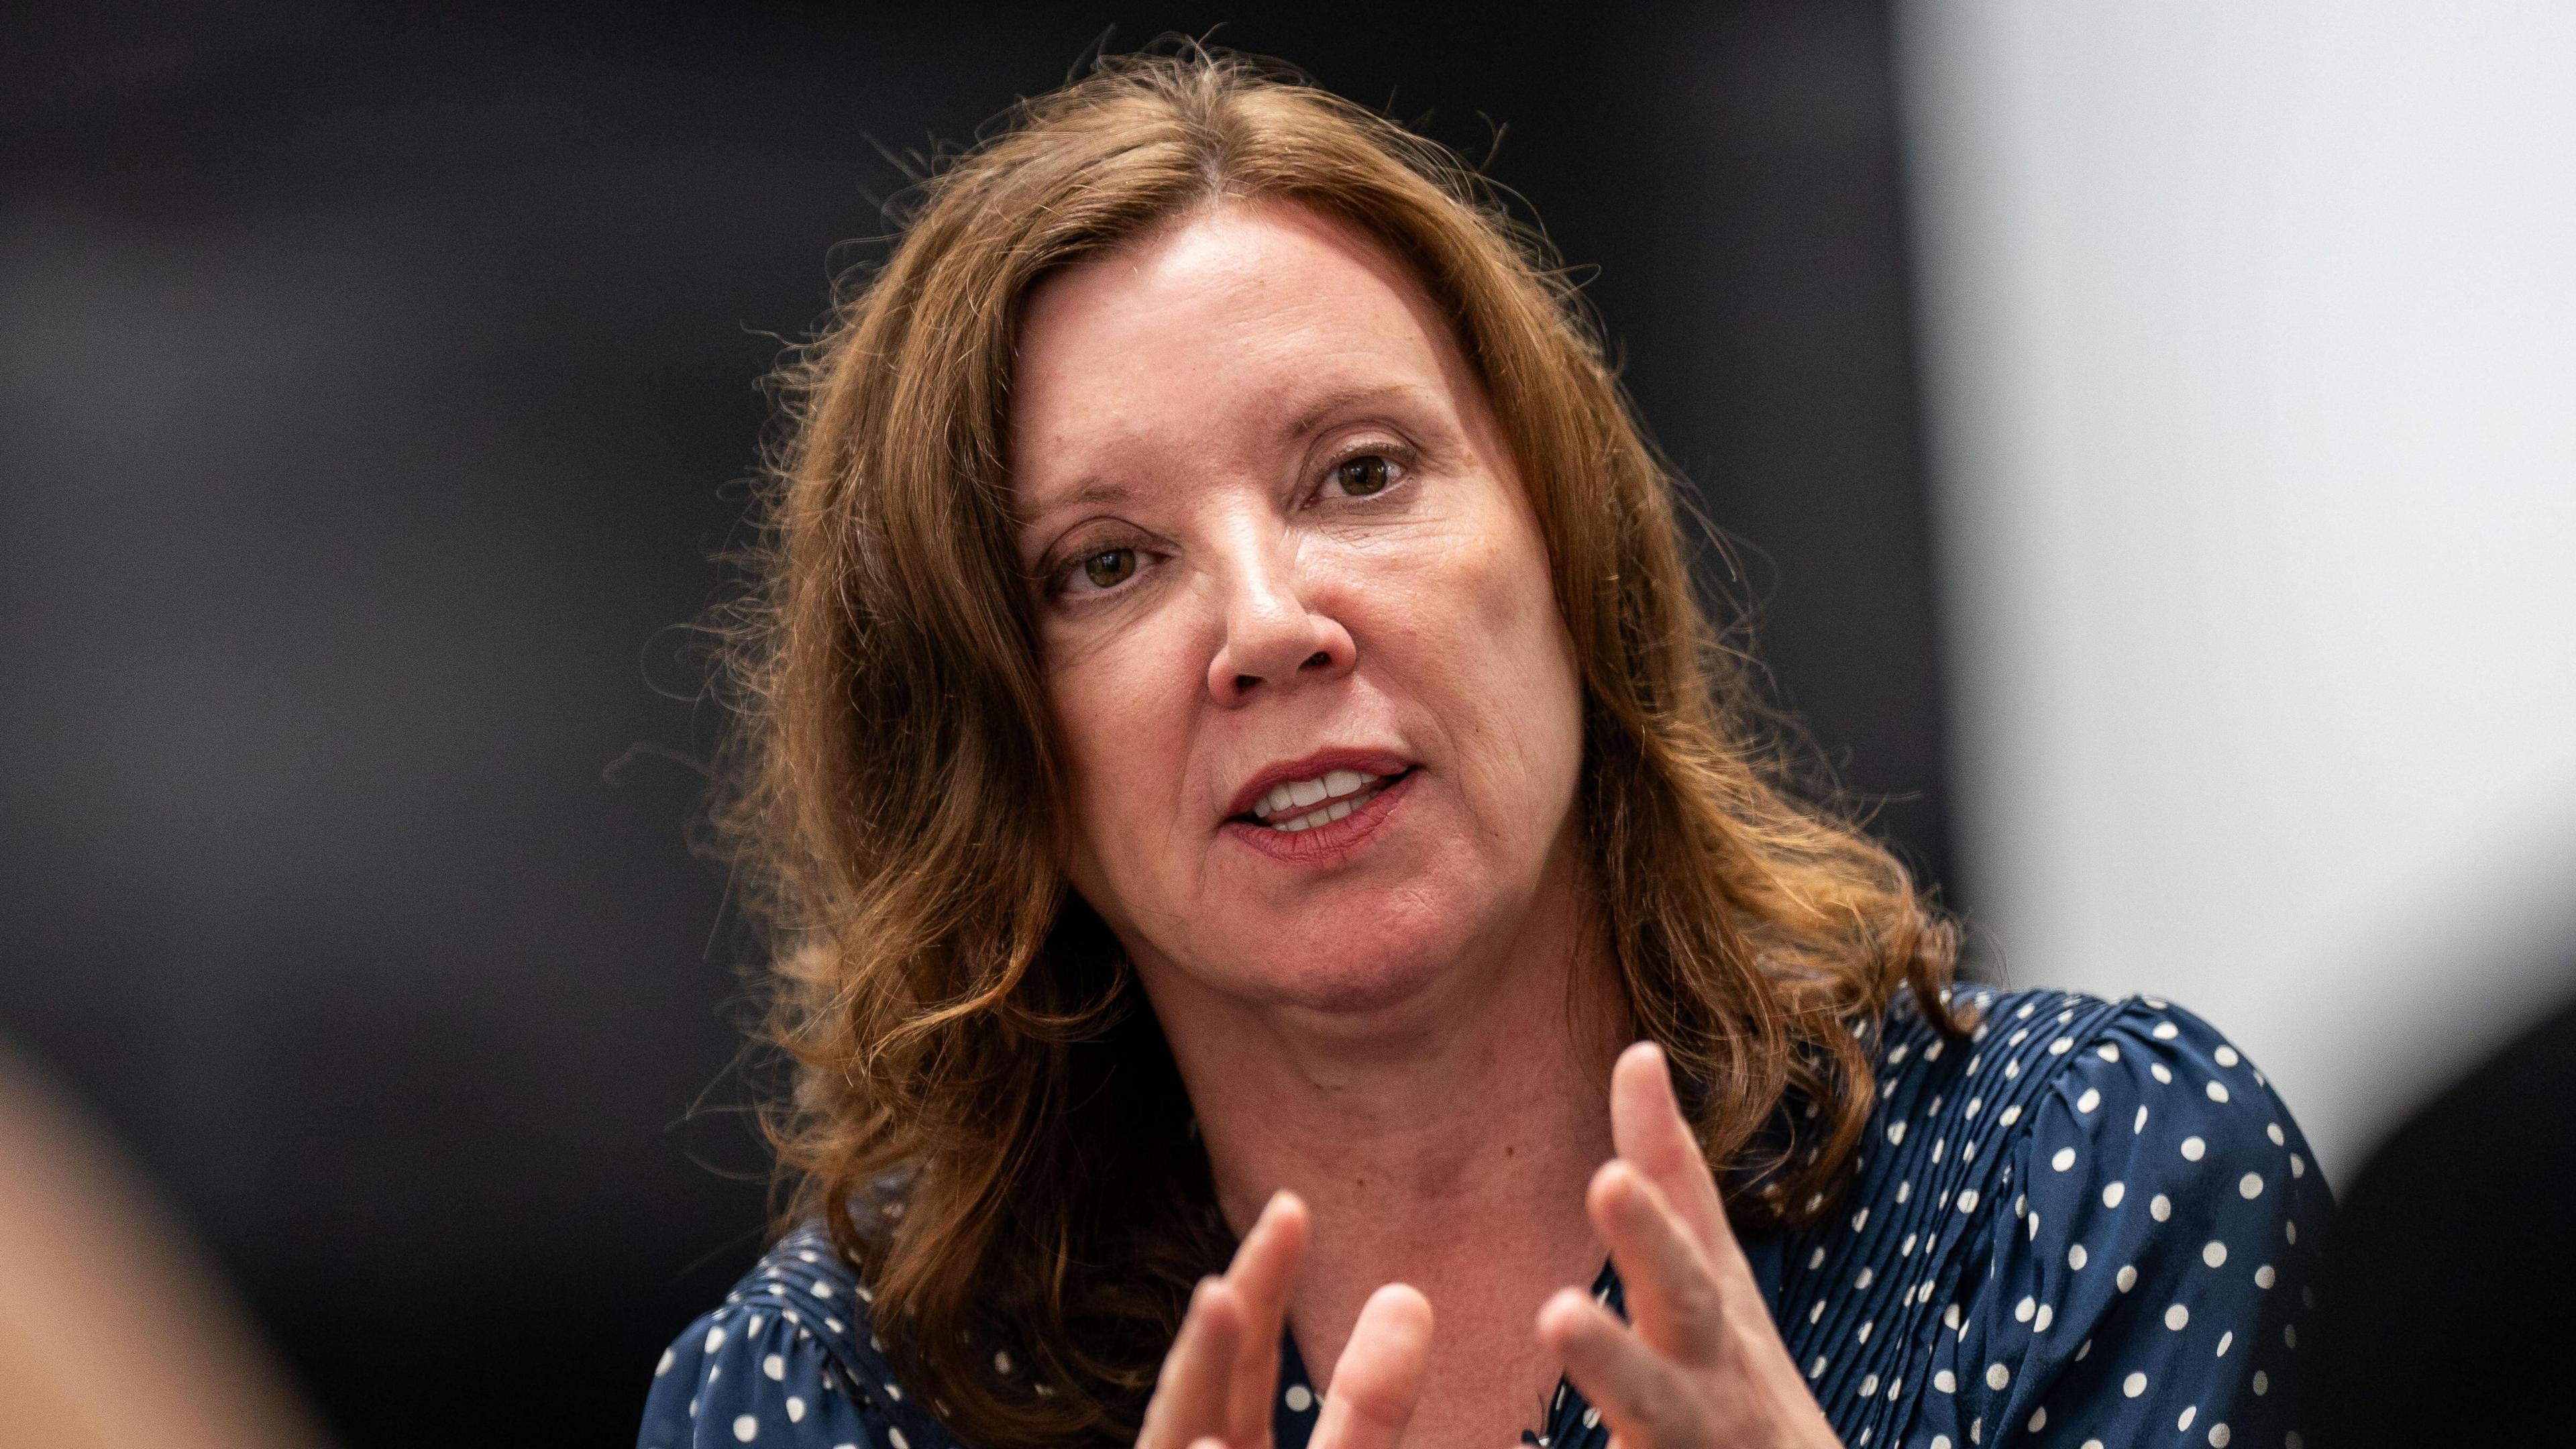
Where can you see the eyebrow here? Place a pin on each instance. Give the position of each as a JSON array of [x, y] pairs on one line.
[[1339, 399], [1097, 490], [1093, 491]]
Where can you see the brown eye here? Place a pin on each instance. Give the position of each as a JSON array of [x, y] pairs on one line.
[[1110, 567], [1365, 475]]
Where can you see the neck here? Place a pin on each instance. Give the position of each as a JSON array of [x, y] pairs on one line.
[[1442, 1141]]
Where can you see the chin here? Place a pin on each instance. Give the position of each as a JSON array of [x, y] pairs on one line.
[[1383, 972]]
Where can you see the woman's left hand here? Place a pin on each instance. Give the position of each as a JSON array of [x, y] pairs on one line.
[[1702, 1364]]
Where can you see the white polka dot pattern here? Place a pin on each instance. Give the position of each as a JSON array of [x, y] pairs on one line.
[[2078, 1227], [756, 1371], [2159, 1154]]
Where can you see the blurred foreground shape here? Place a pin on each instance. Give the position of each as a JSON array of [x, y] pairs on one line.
[[114, 1332], [2448, 1308]]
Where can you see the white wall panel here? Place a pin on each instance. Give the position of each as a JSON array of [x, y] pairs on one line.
[[2251, 346]]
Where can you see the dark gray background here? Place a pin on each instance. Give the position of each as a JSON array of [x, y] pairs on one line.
[[373, 391]]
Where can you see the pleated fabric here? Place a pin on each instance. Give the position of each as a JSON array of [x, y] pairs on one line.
[[2088, 1223]]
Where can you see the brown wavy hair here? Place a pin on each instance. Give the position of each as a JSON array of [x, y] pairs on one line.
[[984, 1115]]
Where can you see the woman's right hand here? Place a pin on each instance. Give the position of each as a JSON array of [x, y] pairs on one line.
[[1222, 1375]]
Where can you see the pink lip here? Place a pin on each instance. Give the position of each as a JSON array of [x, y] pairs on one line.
[[1314, 767], [1334, 840]]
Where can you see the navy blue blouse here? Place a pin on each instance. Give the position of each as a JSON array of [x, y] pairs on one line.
[[2090, 1224]]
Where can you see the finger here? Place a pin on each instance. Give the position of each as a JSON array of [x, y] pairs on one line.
[[1262, 1269], [1190, 1393], [1647, 1127], [1379, 1377], [1638, 1390], [1671, 1292]]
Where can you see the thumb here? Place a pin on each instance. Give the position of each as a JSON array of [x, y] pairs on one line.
[[1379, 1378]]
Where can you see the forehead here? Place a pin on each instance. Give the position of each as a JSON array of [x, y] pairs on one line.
[[1230, 325]]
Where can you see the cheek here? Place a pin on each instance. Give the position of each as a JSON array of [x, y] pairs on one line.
[[1458, 620], [1510, 673], [1533, 678], [1122, 698]]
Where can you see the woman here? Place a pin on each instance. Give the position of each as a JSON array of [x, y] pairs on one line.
[[1234, 762]]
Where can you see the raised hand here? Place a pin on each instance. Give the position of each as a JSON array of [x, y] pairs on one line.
[[1222, 1375], [1702, 1364]]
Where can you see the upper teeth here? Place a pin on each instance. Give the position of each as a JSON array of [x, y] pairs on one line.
[[1326, 798]]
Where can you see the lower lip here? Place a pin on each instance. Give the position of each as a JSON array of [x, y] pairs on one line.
[[1331, 841]]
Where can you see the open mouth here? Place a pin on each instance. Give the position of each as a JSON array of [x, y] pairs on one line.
[[1299, 805]]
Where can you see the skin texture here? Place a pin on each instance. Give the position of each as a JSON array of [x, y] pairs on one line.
[[1272, 615], [1267, 512]]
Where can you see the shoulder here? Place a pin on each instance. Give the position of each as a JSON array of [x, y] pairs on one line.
[[2028, 1049], [790, 1357], [2135, 1214], [2161, 1151], [2117, 1092], [2052, 1091]]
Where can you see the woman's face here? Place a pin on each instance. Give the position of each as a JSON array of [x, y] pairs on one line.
[[1320, 712]]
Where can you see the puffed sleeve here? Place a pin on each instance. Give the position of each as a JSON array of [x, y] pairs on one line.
[[2152, 1279], [750, 1373]]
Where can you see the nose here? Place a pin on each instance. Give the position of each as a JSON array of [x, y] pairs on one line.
[[1274, 640]]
